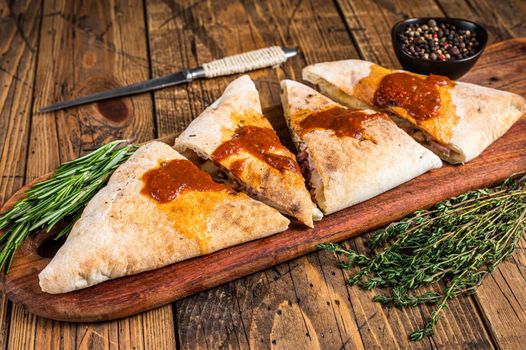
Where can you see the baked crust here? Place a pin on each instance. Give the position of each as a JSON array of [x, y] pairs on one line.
[[123, 232], [471, 116], [240, 106], [348, 170]]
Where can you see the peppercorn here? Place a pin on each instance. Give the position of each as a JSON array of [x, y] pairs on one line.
[[454, 51], [438, 41]]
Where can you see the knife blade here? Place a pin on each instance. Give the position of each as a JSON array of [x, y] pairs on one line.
[[241, 63]]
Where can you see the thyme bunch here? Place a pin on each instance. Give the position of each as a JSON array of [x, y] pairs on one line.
[[451, 246], [63, 195]]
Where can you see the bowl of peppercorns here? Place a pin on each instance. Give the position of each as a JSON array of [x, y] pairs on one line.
[[445, 46]]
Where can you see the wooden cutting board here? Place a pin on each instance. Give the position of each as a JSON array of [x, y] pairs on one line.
[[503, 66]]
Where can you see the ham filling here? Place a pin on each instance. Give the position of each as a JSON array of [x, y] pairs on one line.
[[424, 138], [311, 176]]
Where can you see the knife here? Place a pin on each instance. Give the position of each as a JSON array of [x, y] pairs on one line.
[[248, 61]]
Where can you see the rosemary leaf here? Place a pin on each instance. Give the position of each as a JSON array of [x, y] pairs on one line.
[[63, 195]]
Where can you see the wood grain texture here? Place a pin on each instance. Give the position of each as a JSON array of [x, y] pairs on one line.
[[505, 21], [82, 49], [465, 327], [204, 30], [368, 22], [20, 26], [283, 307], [128, 295], [374, 42], [501, 297]]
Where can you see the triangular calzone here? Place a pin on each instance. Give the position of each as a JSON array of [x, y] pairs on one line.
[[234, 135], [455, 120], [157, 208], [349, 155]]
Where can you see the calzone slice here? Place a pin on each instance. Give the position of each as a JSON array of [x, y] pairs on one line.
[[234, 136], [455, 120], [349, 155], [157, 208]]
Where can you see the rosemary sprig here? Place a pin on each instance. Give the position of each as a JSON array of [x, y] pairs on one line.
[[65, 194], [451, 246]]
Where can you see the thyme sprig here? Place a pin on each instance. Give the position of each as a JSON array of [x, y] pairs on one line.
[[63, 195], [451, 246]]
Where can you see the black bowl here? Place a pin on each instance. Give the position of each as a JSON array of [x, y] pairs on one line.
[[452, 69]]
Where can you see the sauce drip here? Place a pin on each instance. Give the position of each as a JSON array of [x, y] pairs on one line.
[[342, 121], [172, 178], [262, 143], [420, 97]]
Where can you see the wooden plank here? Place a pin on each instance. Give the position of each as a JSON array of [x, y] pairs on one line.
[[204, 31], [328, 318], [208, 30], [85, 47], [503, 20], [464, 325], [373, 24], [120, 297], [370, 23], [233, 323], [502, 296], [501, 310], [19, 25]]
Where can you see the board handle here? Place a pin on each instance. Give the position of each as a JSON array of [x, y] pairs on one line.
[[34, 239], [33, 245], [28, 255]]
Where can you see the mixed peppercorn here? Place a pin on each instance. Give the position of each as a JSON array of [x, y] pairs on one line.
[[438, 42]]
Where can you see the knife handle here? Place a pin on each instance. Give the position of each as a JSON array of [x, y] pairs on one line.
[[268, 57]]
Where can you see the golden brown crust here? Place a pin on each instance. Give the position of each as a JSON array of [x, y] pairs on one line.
[[471, 116], [123, 232], [239, 106], [348, 170], [440, 127]]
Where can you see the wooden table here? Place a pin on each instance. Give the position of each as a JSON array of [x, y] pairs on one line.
[[52, 50]]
